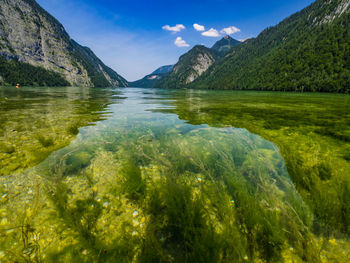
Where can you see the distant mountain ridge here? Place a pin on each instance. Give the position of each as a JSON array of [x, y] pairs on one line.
[[308, 51], [32, 40], [195, 62], [149, 80], [224, 45], [163, 69]]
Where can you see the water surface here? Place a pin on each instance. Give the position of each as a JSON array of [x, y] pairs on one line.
[[139, 175]]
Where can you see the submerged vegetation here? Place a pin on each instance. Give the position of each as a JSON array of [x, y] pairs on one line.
[[145, 186], [36, 122], [150, 196], [311, 131]]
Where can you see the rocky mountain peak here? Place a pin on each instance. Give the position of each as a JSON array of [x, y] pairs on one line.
[[225, 44], [31, 35]]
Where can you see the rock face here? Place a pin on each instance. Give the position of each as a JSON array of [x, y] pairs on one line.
[[199, 64], [195, 62], [189, 67], [31, 35], [341, 6]]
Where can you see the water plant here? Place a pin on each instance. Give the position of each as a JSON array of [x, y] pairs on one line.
[[148, 187], [311, 132]]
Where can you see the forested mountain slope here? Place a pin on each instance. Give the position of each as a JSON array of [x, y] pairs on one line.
[[309, 51]]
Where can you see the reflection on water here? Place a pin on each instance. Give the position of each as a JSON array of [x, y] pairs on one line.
[[144, 186], [36, 121]]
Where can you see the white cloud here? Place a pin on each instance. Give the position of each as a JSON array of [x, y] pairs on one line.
[[230, 30], [176, 28], [179, 42], [211, 33], [198, 27]]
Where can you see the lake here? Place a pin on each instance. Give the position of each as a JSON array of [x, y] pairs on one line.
[[145, 175]]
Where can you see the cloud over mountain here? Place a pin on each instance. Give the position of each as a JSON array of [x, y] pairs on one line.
[[230, 30], [179, 42], [211, 33]]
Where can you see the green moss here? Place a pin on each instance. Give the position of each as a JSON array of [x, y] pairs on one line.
[[77, 161], [74, 129], [45, 141], [7, 148]]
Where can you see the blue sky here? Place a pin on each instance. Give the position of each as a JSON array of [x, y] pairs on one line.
[[131, 37]]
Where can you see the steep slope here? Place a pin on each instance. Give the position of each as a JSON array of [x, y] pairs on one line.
[[195, 62], [224, 45], [149, 80], [309, 51], [190, 66], [13, 72], [30, 35]]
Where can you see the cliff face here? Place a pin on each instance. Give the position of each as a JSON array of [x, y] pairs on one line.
[[328, 11], [31, 35], [199, 65], [189, 67]]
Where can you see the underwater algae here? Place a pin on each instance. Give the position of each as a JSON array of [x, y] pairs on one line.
[[144, 186], [37, 121], [312, 132]]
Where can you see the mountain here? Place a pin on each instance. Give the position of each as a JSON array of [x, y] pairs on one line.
[[195, 62], [35, 49], [149, 80], [189, 67], [224, 45], [163, 70], [308, 51]]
